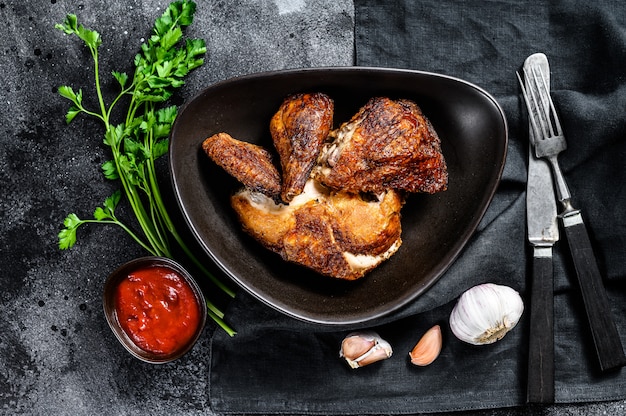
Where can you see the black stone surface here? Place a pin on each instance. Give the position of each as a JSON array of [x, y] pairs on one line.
[[57, 354]]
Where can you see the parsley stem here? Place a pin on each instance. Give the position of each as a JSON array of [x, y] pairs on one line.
[[140, 213], [122, 93], [91, 113], [125, 228], [94, 54], [217, 317]]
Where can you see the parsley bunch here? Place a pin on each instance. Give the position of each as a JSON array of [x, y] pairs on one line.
[[142, 137]]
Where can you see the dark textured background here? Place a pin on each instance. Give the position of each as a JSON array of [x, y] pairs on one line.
[[57, 355]]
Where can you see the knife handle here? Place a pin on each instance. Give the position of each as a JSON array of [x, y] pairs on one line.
[[604, 332], [540, 383]]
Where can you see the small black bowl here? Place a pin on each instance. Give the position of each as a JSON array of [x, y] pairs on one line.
[[110, 312]]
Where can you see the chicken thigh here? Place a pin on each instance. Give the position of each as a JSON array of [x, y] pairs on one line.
[[388, 144]]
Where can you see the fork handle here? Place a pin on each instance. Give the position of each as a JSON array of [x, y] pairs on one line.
[[562, 191], [604, 332]]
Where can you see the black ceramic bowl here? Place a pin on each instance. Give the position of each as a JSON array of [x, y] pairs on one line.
[[110, 312], [473, 131]]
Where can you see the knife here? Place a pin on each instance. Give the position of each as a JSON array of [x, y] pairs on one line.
[[543, 233]]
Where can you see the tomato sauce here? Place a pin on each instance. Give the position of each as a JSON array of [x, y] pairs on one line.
[[157, 309]]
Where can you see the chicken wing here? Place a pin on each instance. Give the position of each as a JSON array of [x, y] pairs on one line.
[[248, 163], [387, 145], [299, 129]]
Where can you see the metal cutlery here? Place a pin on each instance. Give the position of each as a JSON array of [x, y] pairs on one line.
[[548, 141], [543, 233]]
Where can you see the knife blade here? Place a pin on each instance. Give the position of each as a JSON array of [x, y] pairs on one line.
[[543, 233]]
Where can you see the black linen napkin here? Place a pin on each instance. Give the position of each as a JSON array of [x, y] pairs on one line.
[[279, 365]]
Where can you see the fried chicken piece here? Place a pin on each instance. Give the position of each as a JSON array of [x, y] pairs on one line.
[[337, 234], [299, 129], [248, 163], [387, 145], [337, 209]]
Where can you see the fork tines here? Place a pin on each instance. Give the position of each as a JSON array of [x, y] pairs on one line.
[[542, 113]]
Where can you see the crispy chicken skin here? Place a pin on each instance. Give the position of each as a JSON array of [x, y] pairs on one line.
[[298, 129], [248, 163], [337, 209], [337, 234], [388, 144]]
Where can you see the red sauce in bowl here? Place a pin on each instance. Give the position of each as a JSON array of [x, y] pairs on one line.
[[157, 309]]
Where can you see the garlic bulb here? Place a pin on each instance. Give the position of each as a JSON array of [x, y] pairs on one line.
[[363, 348], [485, 313]]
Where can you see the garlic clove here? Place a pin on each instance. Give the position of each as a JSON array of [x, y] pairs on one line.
[[362, 348], [381, 351], [356, 345], [485, 313], [427, 348]]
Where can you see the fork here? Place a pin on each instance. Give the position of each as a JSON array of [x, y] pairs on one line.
[[548, 141]]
